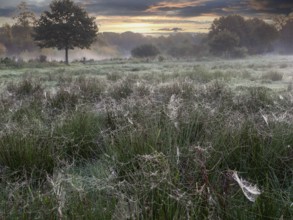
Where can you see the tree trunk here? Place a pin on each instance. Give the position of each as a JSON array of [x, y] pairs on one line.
[[66, 56]]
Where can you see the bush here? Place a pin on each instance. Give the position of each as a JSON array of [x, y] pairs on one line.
[[145, 51], [25, 88], [2, 49], [63, 100], [239, 52], [272, 75], [90, 88], [43, 58], [121, 90]]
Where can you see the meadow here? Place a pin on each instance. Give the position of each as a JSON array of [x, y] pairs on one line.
[[147, 139]]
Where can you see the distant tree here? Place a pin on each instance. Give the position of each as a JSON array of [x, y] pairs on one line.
[[2, 50], [144, 51], [6, 34], [224, 42], [25, 20], [281, 20], [234, 24], [65, 27], [17, 37], [254, 35], [261, 35], [286, 36], [24, 17]]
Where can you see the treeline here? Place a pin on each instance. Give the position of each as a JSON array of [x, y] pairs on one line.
[[17, 38], [229, 36], [235, 36], [175, 44]]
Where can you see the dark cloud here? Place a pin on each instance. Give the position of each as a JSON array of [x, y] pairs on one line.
[[184, 8], [9, 8], [210, 7], [6, 12], [181, 8], [118, 7], [272, 6]]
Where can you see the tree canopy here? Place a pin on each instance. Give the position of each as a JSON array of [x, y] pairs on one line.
[[17, 38], [229, 33], [286, 37], [65, 27], [224, 42], [24, 17]]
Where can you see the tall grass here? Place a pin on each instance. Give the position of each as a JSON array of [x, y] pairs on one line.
[[144, 147]]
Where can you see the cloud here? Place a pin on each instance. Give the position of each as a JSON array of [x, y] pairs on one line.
[[183, 8], [167, 8], [6, 12], [272, 6], [118, 7], [175, 29], [9, 8], [164, 6]]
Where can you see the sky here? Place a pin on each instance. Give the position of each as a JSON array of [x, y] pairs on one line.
[[160, 16]]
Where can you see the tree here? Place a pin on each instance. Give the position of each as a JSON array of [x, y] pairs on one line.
[[260, 35], [233, 23], [24, 17], [286, 36], [2, 49], [224, 42], [146, 50], [65, 27], [281, 20], [17, 37], [22, 29], [253, 35]]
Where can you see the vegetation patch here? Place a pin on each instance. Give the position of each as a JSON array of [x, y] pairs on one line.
[[152, 146]]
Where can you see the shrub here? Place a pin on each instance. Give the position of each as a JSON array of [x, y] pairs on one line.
[[161, 58], [121, 90], [145, 51], [63, 100], [90, 88], [10, 62], [25, 88], [273, 75], [239, 52], [2, 49], [43, 58], [113, 76], [252, 99]]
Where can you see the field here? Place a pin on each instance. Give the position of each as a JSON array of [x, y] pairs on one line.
[[133, 139]]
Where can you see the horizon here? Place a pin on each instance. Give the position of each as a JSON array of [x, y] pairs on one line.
[[159, 17]]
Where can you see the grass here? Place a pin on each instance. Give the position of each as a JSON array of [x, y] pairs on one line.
[[157, 142]]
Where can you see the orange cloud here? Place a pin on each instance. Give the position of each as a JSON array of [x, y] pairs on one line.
[[175, 5]]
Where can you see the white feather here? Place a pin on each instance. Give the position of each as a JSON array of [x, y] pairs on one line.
[[251, 192]]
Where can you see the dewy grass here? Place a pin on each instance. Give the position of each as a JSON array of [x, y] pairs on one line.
[[26, 154], [144, 146], [78, 137]]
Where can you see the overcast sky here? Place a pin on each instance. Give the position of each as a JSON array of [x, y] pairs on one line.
[[150, 16]]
